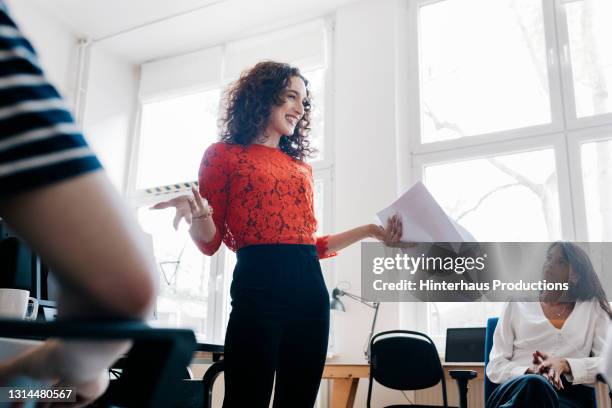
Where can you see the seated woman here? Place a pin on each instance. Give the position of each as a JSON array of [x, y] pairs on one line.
[[544, 352]]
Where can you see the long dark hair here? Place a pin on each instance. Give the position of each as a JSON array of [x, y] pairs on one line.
[[247, 105], [588, 285]]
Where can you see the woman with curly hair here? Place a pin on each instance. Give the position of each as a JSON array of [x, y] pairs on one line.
[[260, 187]]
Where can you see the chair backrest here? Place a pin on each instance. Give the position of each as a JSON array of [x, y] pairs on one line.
[[155, 363], [405, 360], [489, 386]]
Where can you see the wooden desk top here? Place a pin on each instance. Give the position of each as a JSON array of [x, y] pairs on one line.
[[333, 370], [207, 353]]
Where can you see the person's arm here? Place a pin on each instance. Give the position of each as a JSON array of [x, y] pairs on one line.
[[585, 370], [86, 234], [336, 242], [214, 185], [500, 367], [329, 245], [83, 230], [205, 230], [606, 358], [54, 196]]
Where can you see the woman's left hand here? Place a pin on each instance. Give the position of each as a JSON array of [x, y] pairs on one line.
[[392, 235]]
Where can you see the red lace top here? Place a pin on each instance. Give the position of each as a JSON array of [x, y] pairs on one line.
[[259, 195]]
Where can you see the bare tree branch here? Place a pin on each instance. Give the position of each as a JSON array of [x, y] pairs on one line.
[[539, 190], [533, 53], [534, 187], [438, 124], [484, 197]]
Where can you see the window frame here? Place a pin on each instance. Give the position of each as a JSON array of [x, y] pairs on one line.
[[566, 76], [564, 134]]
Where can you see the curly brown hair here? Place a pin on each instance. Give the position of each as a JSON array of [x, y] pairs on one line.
[[248, 103]]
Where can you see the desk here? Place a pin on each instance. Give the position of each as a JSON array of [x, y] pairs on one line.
[[345, 379], [207, 353]]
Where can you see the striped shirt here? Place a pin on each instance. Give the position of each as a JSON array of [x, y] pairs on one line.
[[39, 140]]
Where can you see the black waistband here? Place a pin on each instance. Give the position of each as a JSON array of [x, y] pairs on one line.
[[278, 250]]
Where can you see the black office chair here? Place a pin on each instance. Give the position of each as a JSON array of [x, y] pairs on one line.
[[208, 381], [191, 392], [408, 360], [152, 369]]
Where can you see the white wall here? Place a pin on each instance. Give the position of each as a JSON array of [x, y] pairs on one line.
[[110, 108], [366, 169]]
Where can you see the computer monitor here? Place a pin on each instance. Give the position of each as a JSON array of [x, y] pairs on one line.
[[465, 345]]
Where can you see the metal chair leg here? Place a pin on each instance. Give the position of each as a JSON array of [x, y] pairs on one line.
[[463, 377]]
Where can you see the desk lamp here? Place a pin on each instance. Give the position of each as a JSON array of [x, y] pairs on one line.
[[336, 304]]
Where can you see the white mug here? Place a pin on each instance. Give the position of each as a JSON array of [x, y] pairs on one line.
[[15, 303]]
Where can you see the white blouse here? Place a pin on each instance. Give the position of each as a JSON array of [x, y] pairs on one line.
[[522, 329]]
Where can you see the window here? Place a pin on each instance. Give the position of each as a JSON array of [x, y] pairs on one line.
[[597, 175], [515, 132], [177, 127], [316, 80], [590, 54], [174, 132], [184, 274], [473, 83], [518, 191]]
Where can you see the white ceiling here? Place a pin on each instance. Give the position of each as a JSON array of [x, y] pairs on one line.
[[144, 30]]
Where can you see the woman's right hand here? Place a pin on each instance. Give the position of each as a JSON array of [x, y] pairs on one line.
[[392, 235], [189, 207]]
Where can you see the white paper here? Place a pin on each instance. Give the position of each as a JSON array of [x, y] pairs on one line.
[[423, 219]]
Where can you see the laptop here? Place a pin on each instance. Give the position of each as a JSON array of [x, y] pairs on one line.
[[465, 345]]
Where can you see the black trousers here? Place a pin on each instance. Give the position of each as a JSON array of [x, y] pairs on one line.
[[279, 324], [531, 390]]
